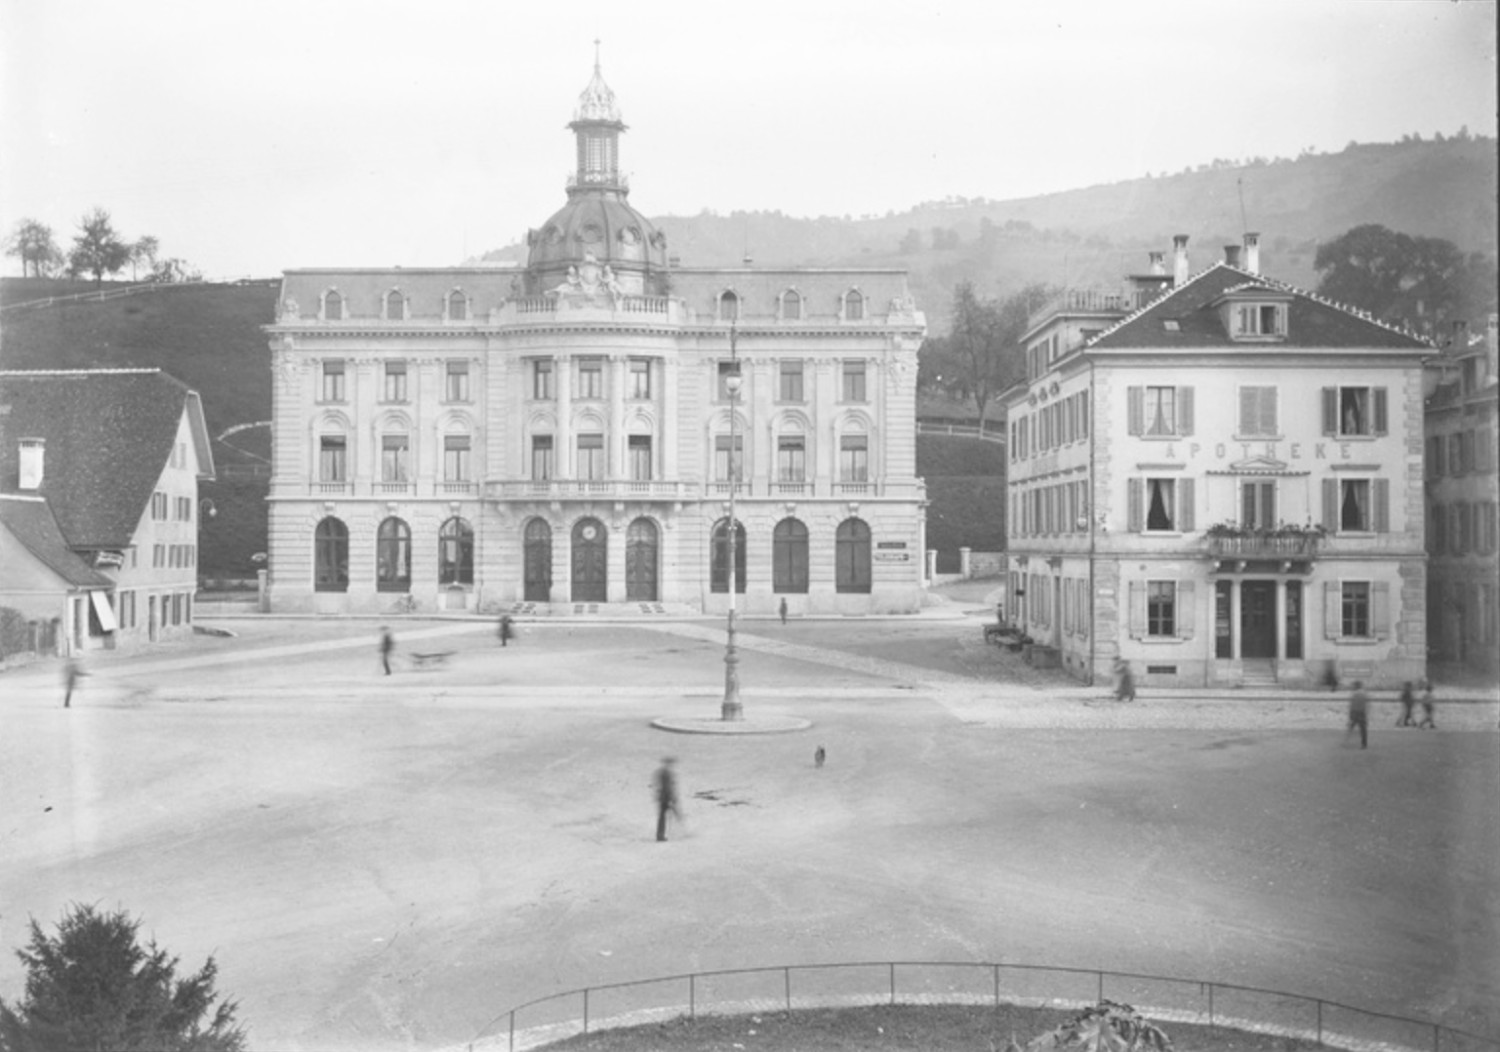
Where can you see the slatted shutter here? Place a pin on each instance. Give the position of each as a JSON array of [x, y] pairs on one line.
[[1484, 452], [1381, 498], [1249, 410], [1135, 517], [1380, 609], [1268, 410], [1187, 609], [1135, 410], [1330, 410], [1184, 410], [1186, 518], [1333, 598], [1380, 410], [1137, 622], [1331, 505]]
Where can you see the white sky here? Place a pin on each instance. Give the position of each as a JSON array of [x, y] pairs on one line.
[[255, 136]]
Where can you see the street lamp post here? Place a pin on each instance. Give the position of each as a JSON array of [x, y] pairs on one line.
[[731, 709]]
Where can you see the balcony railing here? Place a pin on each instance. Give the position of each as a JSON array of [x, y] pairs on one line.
[[1094, 301], [605, 489], [1250, 545]]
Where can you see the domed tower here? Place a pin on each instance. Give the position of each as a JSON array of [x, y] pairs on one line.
[[597, 228]]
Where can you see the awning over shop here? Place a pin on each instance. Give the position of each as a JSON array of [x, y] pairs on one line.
[[104, 610]]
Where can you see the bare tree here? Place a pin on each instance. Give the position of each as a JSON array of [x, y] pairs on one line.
[[32, 241]]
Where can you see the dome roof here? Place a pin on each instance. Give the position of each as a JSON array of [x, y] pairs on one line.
[[601, 223]]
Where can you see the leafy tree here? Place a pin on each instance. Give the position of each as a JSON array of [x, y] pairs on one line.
[[1419, 282], [143, 254], [97, 248], [981, 355], [32, 241], [94, 986], [911, 243]]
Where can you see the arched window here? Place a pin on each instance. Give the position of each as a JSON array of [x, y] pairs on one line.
[[456, 552], [729, 306], [791, 305], [719, 571], [333, 306], [789, 556], [852, 557], [458, 306], [538, 561], [393, 556], [395, 306], [331, 556], [640, 561], [854, 306]]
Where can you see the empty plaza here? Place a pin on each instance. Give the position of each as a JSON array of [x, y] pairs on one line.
[[392, 861]]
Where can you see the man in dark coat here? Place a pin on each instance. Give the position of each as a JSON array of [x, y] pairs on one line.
[[664, 784], [387, 644], [1359, 714], [506, 629]]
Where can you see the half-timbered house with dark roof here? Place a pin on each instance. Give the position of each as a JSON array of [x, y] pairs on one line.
[[1217, 479], [117, 455]]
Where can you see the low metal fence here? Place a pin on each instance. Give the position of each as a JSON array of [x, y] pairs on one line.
[[853, 984]]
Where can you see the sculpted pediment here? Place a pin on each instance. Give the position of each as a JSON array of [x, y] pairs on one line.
[[1258, 465]]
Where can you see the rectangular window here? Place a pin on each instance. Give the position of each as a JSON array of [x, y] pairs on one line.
[[395, 381], [1355, 609], [1258, 505], [333, 465], [1261, 319], [456, 458], [1455, 455], [727, 468], [854, 381], [1161, 410], [791, 458], [333, 381], [1354, 505], [591, 378], [541, 381], [541, 457], [1354, 411], [1161, 504], [1258, 411], [395, 453], [790, 389], [1161, 608], [854, 458], [640, 457], [458, 382], [159, 506], [640, 378], [591, 457]]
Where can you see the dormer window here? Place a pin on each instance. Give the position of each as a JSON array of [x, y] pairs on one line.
[[729, 306], [333, 306], [395, 306], [854, 306], [791, 305], [1258, 321], [458, 306]]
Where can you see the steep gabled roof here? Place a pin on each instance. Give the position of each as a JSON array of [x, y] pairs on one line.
[[109, 434], [1312, 322], [31, 522]]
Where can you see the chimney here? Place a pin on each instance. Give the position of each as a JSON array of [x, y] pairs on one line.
[[1180, 260], [1232, 255], [1158, 263], [1252, 253], [32, 451]]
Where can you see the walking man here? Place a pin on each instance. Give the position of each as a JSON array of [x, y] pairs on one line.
[[1124, 681], [1359, 714], [506, 629], [665, 786], [72, 673], [1428, 705], [387, 644], [782, 609], [1408, 702]]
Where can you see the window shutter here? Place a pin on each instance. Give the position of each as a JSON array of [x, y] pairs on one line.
[[1484, 454], [1185, 517], [1382, 501], [1439, 541], [1331, 505], [1184, 410], [1136, 410], [1332, 609], [1435, 457], [1137, 609], [1249, 410], [1330, 410], [1134, 516], [1187, 609], [1268, 411], [1380, 411], [1380, 609]]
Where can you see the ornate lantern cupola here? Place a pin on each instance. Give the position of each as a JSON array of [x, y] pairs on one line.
[[596, 122]]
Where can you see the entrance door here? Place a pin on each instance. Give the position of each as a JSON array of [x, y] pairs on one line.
[[640, 561], [1258, 619], [538, 585], [590, 562]]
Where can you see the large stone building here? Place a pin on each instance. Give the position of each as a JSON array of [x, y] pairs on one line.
[[1462, 496], [1218, 479], [471, 438]]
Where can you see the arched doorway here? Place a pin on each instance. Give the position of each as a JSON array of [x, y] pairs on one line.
[[590, 562], [640, 561], [538, 586]]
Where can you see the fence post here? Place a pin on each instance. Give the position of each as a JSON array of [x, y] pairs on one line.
[[512, 1030], [1435, 1037], [693, 996], [893, 982], [585, 1009], [1320, 1021], [787, 975], [997, 986], [1210, 1005], [1101, 986]]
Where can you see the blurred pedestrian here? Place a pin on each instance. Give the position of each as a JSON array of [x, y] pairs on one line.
[[72, 673], [1359, 714], [1124, 681], [782, 609], [1331, 676], [664, 784], [507, 629], [1408, 702], [387, 644], [819, 755], [1428, 706]]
